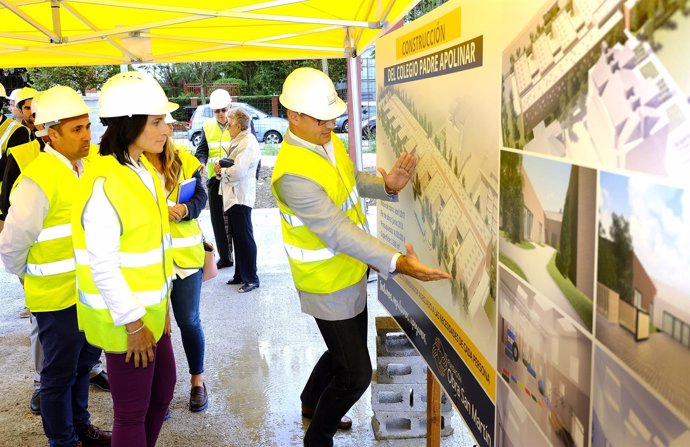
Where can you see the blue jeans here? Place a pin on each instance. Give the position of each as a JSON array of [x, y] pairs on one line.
[[65, 376], [185, 297], [340, 377]]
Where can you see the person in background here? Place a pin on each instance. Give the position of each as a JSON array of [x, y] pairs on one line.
[[329, 248], [173, 167], [215, 141], [124, 257], [16, 113], [36, 245], [238, 186]]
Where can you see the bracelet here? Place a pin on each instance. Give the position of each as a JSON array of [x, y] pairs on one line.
[[136, 330]]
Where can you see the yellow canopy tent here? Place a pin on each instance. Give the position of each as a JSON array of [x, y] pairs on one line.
[[43, 33]]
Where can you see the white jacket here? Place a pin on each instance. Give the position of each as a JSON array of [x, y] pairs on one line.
[[238, 182]]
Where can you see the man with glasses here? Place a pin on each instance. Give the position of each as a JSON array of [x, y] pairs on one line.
[[215, 141], [329, 248]]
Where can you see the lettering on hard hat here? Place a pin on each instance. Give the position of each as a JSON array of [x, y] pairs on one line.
[[331, 99]]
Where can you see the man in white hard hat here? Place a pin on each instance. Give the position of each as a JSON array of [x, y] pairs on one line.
[[12, 134], [23, 101], [16, 113], [329, 248], [18, 160], [36, 245], [215, 141]]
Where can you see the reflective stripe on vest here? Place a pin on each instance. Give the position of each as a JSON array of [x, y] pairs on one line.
[[190, 241], [56, 232], [350, 202], [96, 301], [51, 268], [127, 260], [6, 135]]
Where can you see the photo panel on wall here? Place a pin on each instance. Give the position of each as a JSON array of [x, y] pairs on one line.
[[544, 359], [548, 229], [643, 298]]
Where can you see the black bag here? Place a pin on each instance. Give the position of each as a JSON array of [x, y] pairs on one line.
[[226, 162]]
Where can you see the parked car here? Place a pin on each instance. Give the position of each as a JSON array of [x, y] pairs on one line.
[[268, 129], [342, 123]]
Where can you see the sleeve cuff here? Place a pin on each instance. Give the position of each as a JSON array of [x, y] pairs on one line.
[[394, 262]]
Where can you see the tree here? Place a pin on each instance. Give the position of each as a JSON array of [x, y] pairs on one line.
[[511, 194], [622, 253], [80, 79]]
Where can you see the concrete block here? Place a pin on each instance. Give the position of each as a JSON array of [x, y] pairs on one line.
[[401, 369], [390, 340], [396, 425], [402, 397]]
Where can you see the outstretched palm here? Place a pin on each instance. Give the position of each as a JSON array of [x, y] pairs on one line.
[[400, 173]]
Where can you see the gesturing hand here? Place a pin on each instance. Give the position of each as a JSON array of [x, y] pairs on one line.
[[400, 173], [409, 265], [140, 345]]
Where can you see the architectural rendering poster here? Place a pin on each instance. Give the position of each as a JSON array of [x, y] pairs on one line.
[[553, 141], [437, 99]]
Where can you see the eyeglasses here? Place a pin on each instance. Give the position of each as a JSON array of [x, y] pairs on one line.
[[319, 122], [220, 110]]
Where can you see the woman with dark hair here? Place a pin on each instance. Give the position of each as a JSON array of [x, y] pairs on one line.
[[124, 257], [174, 168]]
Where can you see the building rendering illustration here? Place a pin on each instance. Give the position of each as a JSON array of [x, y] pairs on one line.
[[456, 201]]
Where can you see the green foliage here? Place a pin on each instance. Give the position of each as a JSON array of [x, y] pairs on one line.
[[422, 8], [80, 79], [512, 265], [512, 202], [581, 303], [566, 259], [241, 82]]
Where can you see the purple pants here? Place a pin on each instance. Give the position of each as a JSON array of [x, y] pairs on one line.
[[141, 395]]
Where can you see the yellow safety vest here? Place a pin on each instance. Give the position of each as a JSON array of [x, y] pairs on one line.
[[25, 153], [7, 128], [215, 137], [145, 251], [187, 241], [316, 268], [50, 279]]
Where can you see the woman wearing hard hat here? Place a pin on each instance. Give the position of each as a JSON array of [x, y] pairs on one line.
[[124, 257]]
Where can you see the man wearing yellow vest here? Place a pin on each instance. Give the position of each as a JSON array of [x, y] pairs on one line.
[[18, 160], [215, 141], [37, 246], [329, 248], [12, 133]]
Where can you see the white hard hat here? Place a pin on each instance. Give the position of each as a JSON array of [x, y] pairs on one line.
[[13, 95], [58, 103], [133, 93], [24, 94], [219, 99], [3, 92], [310, 91], [169, 119]]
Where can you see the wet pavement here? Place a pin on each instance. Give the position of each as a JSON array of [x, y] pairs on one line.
[[259, 352]]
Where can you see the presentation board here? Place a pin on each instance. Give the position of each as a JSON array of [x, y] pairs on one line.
[[553, 141]]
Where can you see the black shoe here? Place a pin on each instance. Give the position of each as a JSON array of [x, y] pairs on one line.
[[234, 281], [35, 402], [198, 398], [92, 435], [100, 380], [222, 263], [344, 424], [248, 287]]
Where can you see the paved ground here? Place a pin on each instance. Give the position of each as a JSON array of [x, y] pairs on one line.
[[533, 262], [260, 350], [656, 360]]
